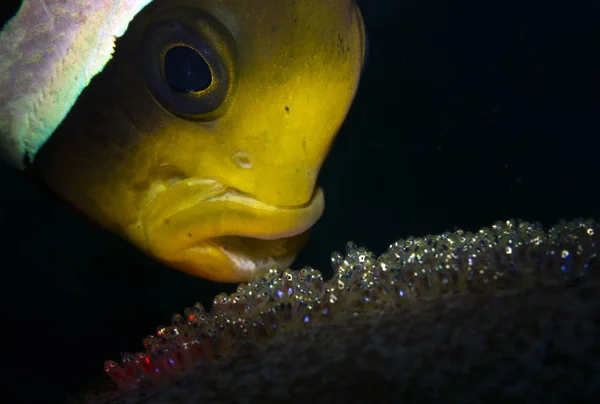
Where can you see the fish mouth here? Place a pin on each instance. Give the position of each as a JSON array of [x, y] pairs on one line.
[[207, 229]]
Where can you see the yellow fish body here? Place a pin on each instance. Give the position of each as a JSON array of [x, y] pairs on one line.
[[202, 138]]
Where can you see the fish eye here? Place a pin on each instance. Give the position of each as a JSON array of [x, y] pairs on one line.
[[187, 64], [186, 70]]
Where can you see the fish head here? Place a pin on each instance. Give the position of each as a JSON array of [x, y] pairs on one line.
[[202, 138]]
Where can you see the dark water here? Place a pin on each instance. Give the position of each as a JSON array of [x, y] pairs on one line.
[[468, 113]]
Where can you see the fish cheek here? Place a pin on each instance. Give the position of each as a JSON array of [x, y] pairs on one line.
[[98, 152]]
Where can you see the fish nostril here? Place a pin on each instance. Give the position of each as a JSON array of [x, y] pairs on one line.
[[243, 159]]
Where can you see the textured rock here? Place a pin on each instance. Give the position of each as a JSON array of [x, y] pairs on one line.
[[524, 329]]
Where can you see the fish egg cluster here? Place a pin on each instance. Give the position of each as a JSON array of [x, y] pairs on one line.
[[511, 255]]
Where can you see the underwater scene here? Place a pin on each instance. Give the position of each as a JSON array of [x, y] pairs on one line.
[[240, 201]]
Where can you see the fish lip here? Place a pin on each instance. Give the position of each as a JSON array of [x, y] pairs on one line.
[[243, 199], [165, 227]]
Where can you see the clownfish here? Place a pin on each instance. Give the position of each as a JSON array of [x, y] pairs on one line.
[[195, 129]]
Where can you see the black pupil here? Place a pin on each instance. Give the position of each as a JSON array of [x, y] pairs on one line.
[[186, 70]]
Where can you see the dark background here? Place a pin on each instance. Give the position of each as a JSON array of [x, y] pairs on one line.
[[468, 112]]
